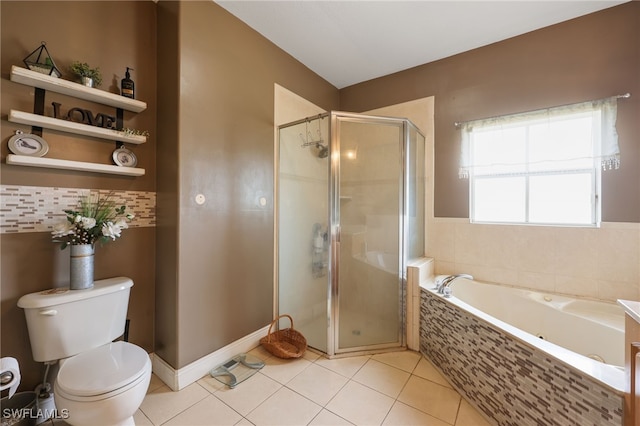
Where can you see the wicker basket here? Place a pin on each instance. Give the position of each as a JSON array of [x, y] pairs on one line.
[[286, 343]]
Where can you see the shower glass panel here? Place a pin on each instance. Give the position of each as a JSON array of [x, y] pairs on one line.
[[370, 188], [416, 186], [303, 246], [350, 213]]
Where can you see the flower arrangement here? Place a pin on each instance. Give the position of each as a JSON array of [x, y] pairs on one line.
[[134, 132], [96, 219]]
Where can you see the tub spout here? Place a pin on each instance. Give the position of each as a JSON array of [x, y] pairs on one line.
[[446, 283]]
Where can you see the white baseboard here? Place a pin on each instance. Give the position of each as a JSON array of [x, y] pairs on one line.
[[183, 377]]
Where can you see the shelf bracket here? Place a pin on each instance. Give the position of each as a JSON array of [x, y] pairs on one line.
[[119, 125], [119, 118], [38, 108]]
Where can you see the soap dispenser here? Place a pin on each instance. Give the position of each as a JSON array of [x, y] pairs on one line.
[[127, 85]]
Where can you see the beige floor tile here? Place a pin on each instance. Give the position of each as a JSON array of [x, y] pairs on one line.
[[285, 407], [401, 415], [155, 383], [382, 377], [283, 370], [163, 404], [260, 352], [140, 419], [211, 384], [404, 360], [249, 394], [469, 416], [311, 355], [345, 366], [431, 398], [244, 422], [209, 411], [360, 404], [318, 384], [327, 418], [426, 370]]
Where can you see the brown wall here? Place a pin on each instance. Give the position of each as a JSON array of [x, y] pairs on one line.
[[218, 285], [591, 57], [214, 135], [82, 31]]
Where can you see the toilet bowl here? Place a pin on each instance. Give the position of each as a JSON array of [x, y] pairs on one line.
[[100, 381], [103, 386]]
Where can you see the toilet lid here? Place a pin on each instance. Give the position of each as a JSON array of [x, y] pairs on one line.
[[102, 370]]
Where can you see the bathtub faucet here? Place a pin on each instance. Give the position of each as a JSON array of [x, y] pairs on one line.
[[444, 288]]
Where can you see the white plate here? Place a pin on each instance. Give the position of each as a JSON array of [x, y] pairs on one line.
[[27, 144], [124, 157]]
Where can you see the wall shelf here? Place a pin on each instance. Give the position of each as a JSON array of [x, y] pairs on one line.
[[72, 127], [38, 121], [66, 87], [53, 163]]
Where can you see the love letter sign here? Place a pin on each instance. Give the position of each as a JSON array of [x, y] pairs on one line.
[[84, 116]]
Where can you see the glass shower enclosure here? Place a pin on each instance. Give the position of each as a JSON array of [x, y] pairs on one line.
[[350, 215]]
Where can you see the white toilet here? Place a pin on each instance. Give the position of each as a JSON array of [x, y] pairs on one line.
[[99, 382]]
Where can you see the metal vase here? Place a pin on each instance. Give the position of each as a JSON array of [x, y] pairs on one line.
[[81, 266], [87, 81]]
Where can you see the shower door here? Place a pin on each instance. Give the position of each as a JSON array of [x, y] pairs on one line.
[[350, 211], [367, 206]]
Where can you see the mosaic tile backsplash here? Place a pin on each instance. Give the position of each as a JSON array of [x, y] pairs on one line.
[[512, 383], [38, 208]]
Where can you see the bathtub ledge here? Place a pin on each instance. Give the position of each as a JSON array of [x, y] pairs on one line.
[[612, 377], [632, 308]]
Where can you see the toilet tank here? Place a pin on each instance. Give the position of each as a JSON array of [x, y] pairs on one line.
[[63, 322]]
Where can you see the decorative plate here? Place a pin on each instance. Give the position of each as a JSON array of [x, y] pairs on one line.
[[124, 157], [27, 144]]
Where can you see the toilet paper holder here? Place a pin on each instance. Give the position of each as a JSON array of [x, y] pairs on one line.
[[6, 377]]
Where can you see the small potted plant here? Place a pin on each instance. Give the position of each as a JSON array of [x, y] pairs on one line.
[[88, 76]]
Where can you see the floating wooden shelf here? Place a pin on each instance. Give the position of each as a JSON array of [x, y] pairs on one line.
[[66, 87], [72, 127], [53, 163]]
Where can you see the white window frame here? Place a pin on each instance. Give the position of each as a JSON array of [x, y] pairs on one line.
[[595, 195], [600, 127]]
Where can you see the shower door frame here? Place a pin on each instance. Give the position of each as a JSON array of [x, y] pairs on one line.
[[333, 216], [333, 300]]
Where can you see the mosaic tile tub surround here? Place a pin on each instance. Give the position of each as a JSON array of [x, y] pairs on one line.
[[38, 208], [511, 383]]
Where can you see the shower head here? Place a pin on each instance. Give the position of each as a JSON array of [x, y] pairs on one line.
[[323, 150]]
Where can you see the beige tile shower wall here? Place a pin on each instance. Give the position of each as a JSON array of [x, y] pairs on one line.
[[601, 263], [38, 208]]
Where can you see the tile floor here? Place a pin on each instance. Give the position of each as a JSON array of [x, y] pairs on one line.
[[399, 388]]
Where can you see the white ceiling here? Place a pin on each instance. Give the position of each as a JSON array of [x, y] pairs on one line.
[[347, 42]]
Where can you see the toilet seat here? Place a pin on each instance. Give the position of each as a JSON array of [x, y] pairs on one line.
[[103, 372]]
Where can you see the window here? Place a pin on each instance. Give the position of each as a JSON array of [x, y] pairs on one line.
[[541, 167]]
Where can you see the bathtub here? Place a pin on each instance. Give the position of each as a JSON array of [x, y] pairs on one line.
[[527, 358]]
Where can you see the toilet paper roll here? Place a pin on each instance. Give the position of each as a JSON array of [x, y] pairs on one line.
[[9, 368]]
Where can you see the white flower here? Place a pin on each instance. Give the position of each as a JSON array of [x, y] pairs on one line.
[[109, 229], [130, 216], [62, 229], [77, 219], [122, 224], [88, 222]]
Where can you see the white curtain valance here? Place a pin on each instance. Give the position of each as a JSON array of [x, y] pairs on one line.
[[606, 148]]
